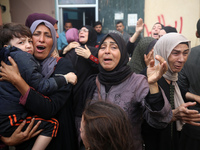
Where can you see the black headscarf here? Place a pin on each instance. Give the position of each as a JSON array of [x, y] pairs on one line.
[[122, 71], [92, 36]]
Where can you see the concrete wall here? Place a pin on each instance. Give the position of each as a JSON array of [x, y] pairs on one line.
[[6, 18], [182, 14]]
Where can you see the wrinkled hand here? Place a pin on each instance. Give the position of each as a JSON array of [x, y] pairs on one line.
[[185, 115], [148, 57], [9, 73], [70, 46], [154, 73], [140, 25], [20, 136], [71, 78], [84, 52]]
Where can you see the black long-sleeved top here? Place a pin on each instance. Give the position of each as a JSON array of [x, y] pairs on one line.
[[59, 106]]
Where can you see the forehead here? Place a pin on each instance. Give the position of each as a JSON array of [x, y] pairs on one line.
[[83, 28], [181, 47], [119, 24], [42, 28], [157, 26], [68, 24], [98, 26], [109, 39]]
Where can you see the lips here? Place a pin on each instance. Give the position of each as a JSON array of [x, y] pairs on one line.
[[29, 51], [40, 48], [107, 60]]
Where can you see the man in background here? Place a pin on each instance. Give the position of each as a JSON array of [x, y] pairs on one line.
[[98, 29], [120, 28]]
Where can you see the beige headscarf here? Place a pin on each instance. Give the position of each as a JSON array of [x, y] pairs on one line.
[[164, 47]]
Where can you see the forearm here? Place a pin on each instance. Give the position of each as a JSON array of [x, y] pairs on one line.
[[134, 37], [21, 85], [153, 87]]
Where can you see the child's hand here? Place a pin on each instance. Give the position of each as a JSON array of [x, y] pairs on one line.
[[71, 78]]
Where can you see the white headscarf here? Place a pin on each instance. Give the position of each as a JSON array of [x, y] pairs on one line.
[[164, 47]]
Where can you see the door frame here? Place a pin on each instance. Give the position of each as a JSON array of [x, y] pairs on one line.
[[59, 11]]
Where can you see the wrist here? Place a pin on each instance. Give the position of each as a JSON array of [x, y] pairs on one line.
[[153, 88]]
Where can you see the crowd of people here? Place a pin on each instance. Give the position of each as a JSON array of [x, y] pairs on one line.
[[84, 89]]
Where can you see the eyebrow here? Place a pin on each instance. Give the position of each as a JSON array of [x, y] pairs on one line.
[[179, 50], [110, 42]]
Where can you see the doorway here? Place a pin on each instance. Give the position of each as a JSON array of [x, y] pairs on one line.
[[80, 13], [79, 16]]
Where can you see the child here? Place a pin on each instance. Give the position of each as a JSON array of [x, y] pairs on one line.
[[16, 41]]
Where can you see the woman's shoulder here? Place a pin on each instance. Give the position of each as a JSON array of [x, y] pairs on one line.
[[64, 64]]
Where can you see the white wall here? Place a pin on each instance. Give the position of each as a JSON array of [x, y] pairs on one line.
[[169, 12]]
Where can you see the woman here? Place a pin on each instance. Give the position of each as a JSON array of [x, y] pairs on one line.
[[57, 104], [105, 126], [116, 83], [83, 56], [174, 48]]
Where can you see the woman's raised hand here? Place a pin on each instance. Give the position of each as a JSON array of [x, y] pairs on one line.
[[84, 52], [154, 73], [139, 26]]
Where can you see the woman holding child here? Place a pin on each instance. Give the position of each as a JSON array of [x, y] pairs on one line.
[[57, 104]]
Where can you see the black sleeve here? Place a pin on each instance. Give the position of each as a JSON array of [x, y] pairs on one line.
[[48, 106], [131, 46], [155, 101]]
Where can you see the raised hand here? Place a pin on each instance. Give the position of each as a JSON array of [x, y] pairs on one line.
[[154, 73], [140, 25]]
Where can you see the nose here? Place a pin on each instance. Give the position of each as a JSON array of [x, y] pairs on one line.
[[181, 58], [107, 50], [57, 35], [41, 38], [28, 45]]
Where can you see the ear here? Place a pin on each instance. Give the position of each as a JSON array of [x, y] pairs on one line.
[[197, 35], [5, 46]]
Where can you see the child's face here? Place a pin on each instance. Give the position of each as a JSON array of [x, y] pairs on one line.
[[23, 43]]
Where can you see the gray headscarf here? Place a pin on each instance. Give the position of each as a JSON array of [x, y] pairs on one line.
[[49, 62], [164, 47]]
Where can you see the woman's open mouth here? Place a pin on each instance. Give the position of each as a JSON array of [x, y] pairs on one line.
[[40, 48]]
